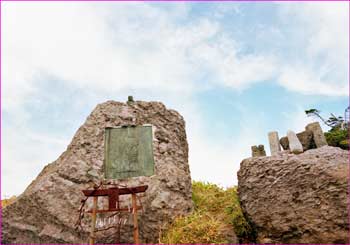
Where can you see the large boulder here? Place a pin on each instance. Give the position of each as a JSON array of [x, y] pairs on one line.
[[297, 198], [47, 210]]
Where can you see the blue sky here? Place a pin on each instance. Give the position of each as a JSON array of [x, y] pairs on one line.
[[235, 71]]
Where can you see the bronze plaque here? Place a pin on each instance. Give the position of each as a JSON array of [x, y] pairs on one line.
[[128, 152]]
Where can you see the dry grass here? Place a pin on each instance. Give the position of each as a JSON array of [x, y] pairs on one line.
[[216, 219], [8, 201]]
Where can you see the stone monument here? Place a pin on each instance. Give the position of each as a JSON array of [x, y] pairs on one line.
[[274, 143], [46, 212], [294, 143], [258, 151], [305, 138], [313, 137], [318, 135]]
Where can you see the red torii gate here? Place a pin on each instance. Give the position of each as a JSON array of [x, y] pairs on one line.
[[113, 194]]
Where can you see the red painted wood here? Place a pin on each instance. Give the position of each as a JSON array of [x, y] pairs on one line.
[[121, 191]]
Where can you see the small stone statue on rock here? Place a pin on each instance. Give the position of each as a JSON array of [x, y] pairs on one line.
[[258, 151]]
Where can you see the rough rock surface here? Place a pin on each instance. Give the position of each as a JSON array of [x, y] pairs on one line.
[[47, 210], [297, 198]]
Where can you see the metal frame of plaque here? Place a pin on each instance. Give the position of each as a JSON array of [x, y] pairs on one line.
[[128, 152]]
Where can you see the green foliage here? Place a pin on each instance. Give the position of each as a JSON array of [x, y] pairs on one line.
[[344, 144], [338, 137], [217, 214], [333, 121], [199, 227], [335, 136], [240, 224], [312, 111], [207, 196]]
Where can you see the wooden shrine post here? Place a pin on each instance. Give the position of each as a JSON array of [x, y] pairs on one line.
[[134, 212], [93, 221], [113, 206]]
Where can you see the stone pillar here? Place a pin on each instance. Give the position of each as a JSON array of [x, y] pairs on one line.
[[318, 135], [258, 151], [274, 143], [294, 144]]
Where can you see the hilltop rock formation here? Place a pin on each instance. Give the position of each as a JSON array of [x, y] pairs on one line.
[[47, 210], [297, 198]]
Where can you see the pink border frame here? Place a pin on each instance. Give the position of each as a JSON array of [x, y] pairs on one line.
[[174, 1], [163, 1]]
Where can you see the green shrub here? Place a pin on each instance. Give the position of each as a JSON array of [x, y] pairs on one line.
[[199, 227], [344, 144], [338, 137], [241, 227]]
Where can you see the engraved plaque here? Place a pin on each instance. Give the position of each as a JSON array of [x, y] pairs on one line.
[[128, 152]]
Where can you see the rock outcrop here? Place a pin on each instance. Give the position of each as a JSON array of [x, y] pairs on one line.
[[297, 198], [47, 210]]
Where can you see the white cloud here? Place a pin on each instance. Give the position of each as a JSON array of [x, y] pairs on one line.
[[224, 8], [75, 42], [230, 69], [107, 48], [323, 67], [115, 46], [24, 154], [296, 120], [307, 81]]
